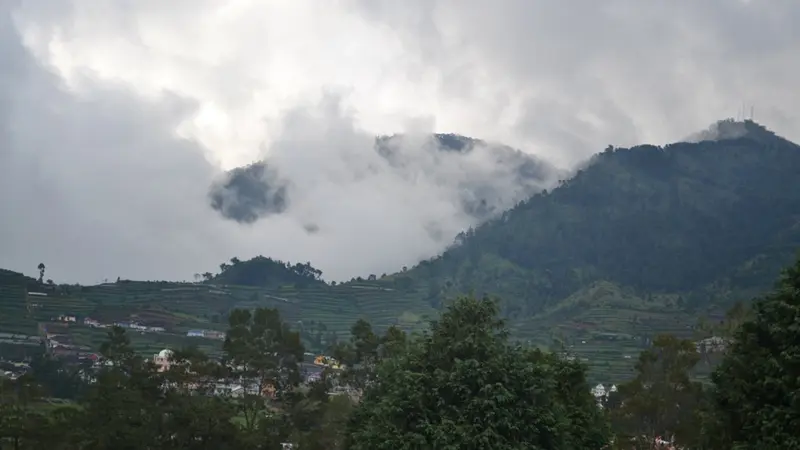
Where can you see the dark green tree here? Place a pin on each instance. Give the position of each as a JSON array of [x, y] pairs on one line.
[[56, 378], [359, 354], [662, 400], [755, 398], [260, 346], [41, 268], [463, 386], [589, 427], [20, 424], [393, 343], [123, 408]]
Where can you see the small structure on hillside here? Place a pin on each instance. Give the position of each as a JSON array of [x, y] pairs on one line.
[[711, 344], [209, 334], [163, 359], [327, 361]]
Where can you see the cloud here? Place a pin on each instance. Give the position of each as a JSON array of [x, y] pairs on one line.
[[582, 74], [383, 205], [246, 194], [99, 184], [117, 116]]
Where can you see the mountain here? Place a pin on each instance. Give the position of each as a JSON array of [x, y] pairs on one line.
[[640, 241], [706, 223], [488, 178]]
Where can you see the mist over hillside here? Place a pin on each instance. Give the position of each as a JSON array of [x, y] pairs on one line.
[[731, 129], [484, 179], [707, 221]]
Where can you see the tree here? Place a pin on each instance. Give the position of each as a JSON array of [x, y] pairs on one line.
[[393, 343], [662, 400], [208, 276], [196, 421], [41, 268], [462, 385], [260, 346], [123, 409], [56, 378], [571, 389], [306, 271], [19, 423], [319, 420], [755, 396], [359, 354]]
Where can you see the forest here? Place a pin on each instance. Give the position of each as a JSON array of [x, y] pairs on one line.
[[711, 221], [460, 384]]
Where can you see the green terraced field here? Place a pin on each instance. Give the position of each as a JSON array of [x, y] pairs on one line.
[[602, 325], [14, 316]]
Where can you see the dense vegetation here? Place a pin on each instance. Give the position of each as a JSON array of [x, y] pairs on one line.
[[461, 384], [709, 222], [263, 271]]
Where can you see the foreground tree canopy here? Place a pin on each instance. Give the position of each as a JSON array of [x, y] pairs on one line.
[[757, 394], [464, 386]]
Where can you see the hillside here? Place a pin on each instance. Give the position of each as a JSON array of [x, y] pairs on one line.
[[675, 219], [662, 234], [168, 311], [640, 241]]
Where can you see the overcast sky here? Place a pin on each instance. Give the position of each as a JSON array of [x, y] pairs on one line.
[[116, 115]]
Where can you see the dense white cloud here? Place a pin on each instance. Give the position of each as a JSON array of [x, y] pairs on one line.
[[115, 116]]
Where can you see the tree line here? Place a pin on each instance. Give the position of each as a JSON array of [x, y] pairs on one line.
[[462, 384]]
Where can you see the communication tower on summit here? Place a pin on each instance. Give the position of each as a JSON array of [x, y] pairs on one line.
[[742, 115]]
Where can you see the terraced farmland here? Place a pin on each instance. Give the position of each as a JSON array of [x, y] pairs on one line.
[[14, 316], [339, 307], [603, 325], [179, 307]]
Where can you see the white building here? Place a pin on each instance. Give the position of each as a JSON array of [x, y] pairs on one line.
[[162, 359], [599, 391]]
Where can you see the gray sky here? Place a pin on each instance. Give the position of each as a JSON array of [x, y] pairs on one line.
[[115, 116]]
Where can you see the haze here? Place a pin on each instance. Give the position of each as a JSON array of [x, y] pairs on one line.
[[117, 116]]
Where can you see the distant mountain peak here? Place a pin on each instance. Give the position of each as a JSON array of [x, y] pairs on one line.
[[728, 129]]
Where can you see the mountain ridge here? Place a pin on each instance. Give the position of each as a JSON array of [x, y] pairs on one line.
[[638, 242], [658, 181]]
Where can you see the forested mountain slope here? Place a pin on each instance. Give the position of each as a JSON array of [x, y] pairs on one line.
[[640, 242], [707, 223]]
